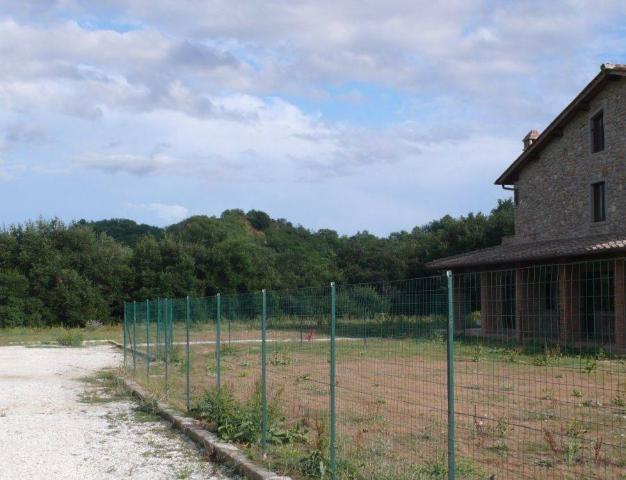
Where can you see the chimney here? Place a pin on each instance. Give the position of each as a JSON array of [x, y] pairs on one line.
[[530, 138]]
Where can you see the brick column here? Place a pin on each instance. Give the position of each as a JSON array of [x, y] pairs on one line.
[[459, 304], [620, 314], [521, 320], [487, 318], [565, 304]]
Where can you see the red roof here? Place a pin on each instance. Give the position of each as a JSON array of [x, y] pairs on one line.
[[534, 251]]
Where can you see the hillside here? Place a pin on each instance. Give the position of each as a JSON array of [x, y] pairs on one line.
[[52, 273]]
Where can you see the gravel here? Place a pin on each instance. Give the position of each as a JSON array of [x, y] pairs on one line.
[[54, 425]]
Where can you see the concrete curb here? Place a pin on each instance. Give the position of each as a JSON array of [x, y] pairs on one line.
[[219, 451]]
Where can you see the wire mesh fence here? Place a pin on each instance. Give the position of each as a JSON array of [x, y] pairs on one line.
[[510, 373]]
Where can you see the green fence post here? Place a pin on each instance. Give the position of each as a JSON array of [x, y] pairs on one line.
[[134, 342], [218, 333], [124, 332], [333, 382], [171, 327], [148, 339], [158, 331], [166, 351], [450, 364], [187, 354], [264, 374]]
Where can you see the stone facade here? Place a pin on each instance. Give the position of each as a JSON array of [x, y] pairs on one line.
[[554, 191], [562, 276]]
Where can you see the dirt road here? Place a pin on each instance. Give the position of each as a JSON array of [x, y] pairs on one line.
[[58, 421]]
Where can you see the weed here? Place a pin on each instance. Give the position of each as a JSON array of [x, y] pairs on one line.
[[501, 428], [597, 447], [590, 365], [184, 473], [241, 422], [551, 441], [478, 423], [572, 448], [315, 463], [227, 350], [544, 463], [175, 355], [477, 353], [577, 393], [70, 338], [303, 378], [280, 358], [575, 429], [437, 336], [438, 470], [499, 448], [551, 354], [619, 400], [147, 411], [512, 356]]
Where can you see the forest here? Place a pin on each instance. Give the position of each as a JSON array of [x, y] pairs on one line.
[[52, 273]]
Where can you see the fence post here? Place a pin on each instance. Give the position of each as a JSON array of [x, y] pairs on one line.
[[165, 342], [187, 354], [171, 326], [125, 327], [148, 339], [134, 342], [158, 331], [264, 374], [450, 364], [333, 382], [218, 333]]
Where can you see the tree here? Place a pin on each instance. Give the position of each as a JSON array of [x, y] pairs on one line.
[[53, 274]]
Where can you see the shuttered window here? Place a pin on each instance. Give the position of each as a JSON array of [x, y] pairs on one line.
[[597, 132], [599, 201]]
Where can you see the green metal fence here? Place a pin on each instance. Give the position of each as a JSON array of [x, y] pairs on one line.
[[488, 374]]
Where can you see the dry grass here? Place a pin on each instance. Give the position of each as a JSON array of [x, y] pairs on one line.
[[518, 414], [50, 335]]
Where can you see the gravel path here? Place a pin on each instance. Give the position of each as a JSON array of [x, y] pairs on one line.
[[54, 425]]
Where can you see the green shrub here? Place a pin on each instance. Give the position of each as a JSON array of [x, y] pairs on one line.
[[241, 422], [70, 338]]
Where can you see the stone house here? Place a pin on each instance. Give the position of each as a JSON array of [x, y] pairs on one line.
[[561, 276]]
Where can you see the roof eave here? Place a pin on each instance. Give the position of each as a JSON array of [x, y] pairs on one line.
[[554, 129]]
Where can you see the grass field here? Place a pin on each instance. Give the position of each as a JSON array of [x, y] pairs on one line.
[[521, 411], [52, 335]]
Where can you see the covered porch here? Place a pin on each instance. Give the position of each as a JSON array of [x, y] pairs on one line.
[[580, 304]]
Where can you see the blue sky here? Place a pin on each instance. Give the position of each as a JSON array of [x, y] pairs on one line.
[[351, 115]]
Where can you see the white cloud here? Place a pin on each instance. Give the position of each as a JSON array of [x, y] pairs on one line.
[[4, 174], [165, 212], [134, 164], [427, 93]]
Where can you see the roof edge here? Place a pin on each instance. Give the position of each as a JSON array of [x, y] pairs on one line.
[[592, 88]]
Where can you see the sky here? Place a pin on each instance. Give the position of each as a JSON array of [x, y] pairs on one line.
[[345, 114]]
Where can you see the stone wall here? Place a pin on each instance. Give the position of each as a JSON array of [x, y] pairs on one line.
[[555, 190]]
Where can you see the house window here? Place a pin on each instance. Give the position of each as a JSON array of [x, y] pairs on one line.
[[599, 201], [597, 132], [516, 196]]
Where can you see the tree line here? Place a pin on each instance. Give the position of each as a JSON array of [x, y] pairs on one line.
[[53, 273]]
